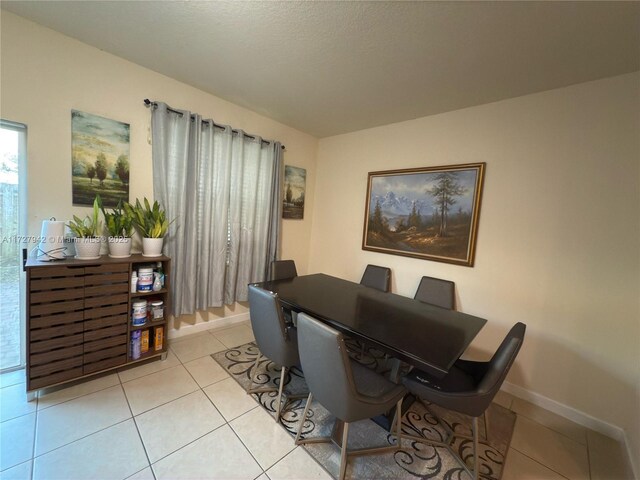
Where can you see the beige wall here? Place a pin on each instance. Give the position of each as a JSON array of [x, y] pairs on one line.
[[558, 241], [559, 228], [44, 75]]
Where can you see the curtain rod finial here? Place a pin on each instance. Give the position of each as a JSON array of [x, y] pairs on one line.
[[147, 102]]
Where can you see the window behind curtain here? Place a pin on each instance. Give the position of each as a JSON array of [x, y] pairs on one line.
[[222, 187]]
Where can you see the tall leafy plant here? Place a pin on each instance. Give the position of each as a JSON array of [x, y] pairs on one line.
[[88, 227], [119, 222], [150, 220]]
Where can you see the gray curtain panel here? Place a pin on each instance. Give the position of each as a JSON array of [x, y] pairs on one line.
[[223, 190]]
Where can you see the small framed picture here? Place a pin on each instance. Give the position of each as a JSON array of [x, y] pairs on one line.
[[295, 180]]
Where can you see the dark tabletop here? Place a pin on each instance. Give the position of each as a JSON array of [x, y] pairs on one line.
[[428, 337]]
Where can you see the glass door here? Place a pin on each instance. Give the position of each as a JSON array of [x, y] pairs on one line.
[[13, 147]]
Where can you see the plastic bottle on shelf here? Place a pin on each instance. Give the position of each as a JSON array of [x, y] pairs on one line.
[[134, 282], [157, 285], [160, 273], [135, 344]]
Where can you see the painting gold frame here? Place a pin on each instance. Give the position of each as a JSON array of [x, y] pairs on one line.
[[430, 213]]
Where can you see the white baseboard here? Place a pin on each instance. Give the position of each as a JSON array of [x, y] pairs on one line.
[[565, 411], [208, 325], [577, 416]]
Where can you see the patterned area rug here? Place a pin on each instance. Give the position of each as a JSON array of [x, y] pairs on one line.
[[414, 459]]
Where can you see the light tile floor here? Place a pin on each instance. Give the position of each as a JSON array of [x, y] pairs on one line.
[[185, 418]]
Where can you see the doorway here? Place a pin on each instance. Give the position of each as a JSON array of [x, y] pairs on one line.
[[13, 146]]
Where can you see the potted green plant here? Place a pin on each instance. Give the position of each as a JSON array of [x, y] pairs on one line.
[[87, 231], [152, 224], [119, 225]]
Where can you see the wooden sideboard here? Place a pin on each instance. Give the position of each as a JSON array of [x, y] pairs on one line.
[[79, 320]]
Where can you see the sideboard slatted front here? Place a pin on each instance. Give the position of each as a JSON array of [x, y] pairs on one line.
[[78, 318], [56, 325]]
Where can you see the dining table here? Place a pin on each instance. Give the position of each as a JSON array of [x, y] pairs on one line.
[[425, 336]]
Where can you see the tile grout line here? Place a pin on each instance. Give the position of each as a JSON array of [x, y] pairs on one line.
[[588, 456], [35, 432], [133, 417], [166, 403], [538, 462], [75, 398], [552, 429], [586, 446], [225, 422], [245, 446]]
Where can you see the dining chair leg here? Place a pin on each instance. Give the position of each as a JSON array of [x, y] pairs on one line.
[[303, 419], [255, 370], [343, 451], [474, 426], [486, 424], [283, 373], [398, 421]]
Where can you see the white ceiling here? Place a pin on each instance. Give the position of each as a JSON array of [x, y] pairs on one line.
[[334, 67]]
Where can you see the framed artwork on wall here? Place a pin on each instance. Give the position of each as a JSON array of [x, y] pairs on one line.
[[295, 180], [99, 159], [429, 213]]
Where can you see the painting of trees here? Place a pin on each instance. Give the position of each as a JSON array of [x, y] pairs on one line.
[[122, 169], [99, 149], [295, 179], [377, 224], [429, 213], [445, 192], [101, 168], [91, 173]]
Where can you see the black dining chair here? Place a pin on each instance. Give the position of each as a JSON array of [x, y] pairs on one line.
[[282, 269], [276, 340], [436, 291], [377, 277], [468, 388], [348, 390]]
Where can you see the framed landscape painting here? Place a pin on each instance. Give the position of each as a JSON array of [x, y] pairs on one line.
[[295, 180], [99, 159], [430, 213]]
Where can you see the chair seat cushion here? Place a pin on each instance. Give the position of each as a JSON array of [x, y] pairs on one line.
[[372, 384], [457, 380]]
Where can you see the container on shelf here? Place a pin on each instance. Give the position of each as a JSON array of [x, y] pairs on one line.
[[159, 337], [135, 344], [145, 279], [157, 284], [134, 282], [156, 310], [160, 272], [144, 341], [139, 313]]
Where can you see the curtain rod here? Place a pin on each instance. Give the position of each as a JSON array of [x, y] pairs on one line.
[[148, 103]]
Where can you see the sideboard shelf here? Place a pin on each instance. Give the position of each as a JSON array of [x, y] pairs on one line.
[[79, 320]]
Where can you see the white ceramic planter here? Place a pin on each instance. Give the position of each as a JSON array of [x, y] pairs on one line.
[[119, 247], [88, 248], [152, 247]]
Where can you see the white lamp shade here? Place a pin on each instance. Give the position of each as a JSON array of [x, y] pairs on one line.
[[51, 245]]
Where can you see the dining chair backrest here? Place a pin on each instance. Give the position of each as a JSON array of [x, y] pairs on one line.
[[436, 291], [377, 277], [282, 269], [470, 386], [325, 363], [269, 329], [501, 361]]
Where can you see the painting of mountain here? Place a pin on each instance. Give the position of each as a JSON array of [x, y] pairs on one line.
[[430, 213]]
